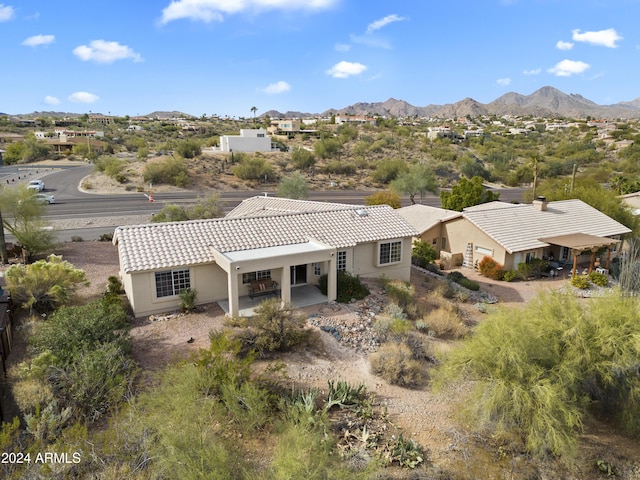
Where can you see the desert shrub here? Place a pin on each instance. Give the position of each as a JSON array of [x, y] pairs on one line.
[[337, 167], [171, 171], [302, 159], [110, 166], [386, 197], [530, 376], [469, 284], [395, 363], [580, 281], [188, 298], [422, 253], [387, 170], [535, 268], [433, 268], [349, 287], [387, 327], [72, 330], [248, 404], [274, 327], [77, 238], [445, 322], [490, 268], [188, 149], [106, 237], [114, 285], [96, 381], [399, 292], [455, 276], [509, 275], [599, 279], [253, 168], [44, 285]]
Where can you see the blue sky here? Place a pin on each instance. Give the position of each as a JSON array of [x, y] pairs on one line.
[[223, 57]]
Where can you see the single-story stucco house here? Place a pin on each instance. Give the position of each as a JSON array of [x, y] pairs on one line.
[[567, 232], [292, 242]]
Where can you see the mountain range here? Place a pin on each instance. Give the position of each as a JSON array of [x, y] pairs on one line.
[[544, 102]]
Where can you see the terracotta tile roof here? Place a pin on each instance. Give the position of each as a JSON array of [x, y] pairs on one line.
[[424, 217], [169, 245], [520, 227], [261, 206]]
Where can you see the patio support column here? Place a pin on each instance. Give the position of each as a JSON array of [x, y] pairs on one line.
[[234, 299], [285, 287], [592, 260], [575, 264], [608, 257], [332, 279]]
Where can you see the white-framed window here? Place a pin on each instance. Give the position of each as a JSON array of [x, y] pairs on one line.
[[390, 252], [172, 282], [564, 255], [317, 269], [253, 276], [342, 261], [484, 251]]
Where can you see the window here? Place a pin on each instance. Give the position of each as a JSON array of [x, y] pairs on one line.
[[390, 252], [484, 251], [342, 261], [253, 276], [317, 269], [565, 253], [172, 282]]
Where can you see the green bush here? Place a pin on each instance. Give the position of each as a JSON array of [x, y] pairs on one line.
[[273, 327], [534, 268], [469, 284], [580, 281], [171, 171], [187, 300], [599, 279], [509, 275], [253, 168], [349, 287], [387, 170], [490, 268], [422, 254], [44, 285], [399, 292], [530, 376]]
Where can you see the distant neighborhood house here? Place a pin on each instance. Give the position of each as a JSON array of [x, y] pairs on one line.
[[249, 140], [567, 232], [292, 242]]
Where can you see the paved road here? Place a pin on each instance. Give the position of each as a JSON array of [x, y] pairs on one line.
[[71, 203]]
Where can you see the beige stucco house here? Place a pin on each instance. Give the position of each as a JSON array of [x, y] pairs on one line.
[[293, 242], [568, 232]]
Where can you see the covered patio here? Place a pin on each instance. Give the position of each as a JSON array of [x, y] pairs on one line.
[[301, 296], [581, 243]]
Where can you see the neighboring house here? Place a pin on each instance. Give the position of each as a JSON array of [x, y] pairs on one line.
[[284, 126], [293, 242], [249, 140], [633, 201], [568, 231], [354, 119], [428, 221]]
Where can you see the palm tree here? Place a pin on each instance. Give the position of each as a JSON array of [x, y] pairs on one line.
[[254, 110]]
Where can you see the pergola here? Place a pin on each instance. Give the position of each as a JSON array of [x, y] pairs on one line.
[[583, 242]]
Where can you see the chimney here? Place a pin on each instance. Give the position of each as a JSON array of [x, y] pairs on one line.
[[540, 203]]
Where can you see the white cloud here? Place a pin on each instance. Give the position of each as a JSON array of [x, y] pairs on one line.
[[83, 97], [504, 81], [346, 69], [370, 41], [49, 100], [342, 47], [604, 38], [566, 68], [561, 45], [101, 51], [535, 71], [378, 24], [275, 88], [38, 40], [6, 12], [210, 10]]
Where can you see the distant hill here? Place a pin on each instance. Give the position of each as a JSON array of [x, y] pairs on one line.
[[546, 102]]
